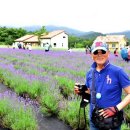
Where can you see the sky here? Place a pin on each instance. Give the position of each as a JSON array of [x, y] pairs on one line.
[[103, 16]]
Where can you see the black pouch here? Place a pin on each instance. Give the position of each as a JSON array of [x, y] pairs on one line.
[[112, 122]]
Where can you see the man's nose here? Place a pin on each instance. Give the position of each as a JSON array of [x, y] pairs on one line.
[[99, 53]]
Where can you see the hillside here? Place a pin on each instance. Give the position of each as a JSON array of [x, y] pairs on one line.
[[70, 31], [91, 35], [74, 32], [126, 33], [50, 28]]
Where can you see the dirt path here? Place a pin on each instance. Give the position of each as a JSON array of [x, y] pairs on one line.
[[45, 123]]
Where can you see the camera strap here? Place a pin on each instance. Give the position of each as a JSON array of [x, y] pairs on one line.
[[93, 90], [84, 119], [83, 104]]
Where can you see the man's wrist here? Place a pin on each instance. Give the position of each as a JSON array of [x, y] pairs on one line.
[[119, 107], [116, 108]]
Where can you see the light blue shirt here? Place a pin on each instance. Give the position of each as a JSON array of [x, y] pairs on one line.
[[47, 47]]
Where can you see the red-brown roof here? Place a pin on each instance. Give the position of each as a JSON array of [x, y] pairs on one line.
[[21, 39], [51, 34], [32, 39]]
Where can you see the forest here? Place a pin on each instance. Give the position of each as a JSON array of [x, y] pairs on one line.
[[8, 35]]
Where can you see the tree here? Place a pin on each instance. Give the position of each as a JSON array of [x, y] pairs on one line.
[[72, 41], [8, 35], [40, 32], [9, 40], [78, 42]]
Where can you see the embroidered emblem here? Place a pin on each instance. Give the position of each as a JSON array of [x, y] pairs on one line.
[[109, 80]]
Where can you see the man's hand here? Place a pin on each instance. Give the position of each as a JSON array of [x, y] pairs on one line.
[[107, 112], [76, 88]]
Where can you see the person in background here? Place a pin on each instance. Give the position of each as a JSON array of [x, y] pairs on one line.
[[47, 47], [24, 47], [69, 50], [29, 47], [19, 45], [87, 50], [128, 50], [13, 45], [116, 52], [110, 80], [124, 54]]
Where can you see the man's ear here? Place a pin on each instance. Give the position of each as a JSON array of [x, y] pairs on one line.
[[92, 56]]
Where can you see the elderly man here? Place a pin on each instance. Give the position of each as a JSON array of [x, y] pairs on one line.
[[105, 83]]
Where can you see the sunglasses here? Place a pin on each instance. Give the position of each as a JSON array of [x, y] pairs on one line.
[[96, 52]]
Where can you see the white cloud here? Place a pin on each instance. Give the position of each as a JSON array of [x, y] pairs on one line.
[[86, 15]]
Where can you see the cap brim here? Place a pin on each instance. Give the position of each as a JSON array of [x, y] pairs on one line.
[[99, 48]]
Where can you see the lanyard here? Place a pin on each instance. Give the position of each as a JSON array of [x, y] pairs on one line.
[[93, 89], [98, 96]]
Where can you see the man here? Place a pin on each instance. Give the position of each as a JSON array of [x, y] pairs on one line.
[[47, 47], [124, 54], [109, 82], [129, 53]]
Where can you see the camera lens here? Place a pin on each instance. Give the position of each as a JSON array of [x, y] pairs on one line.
[[80, 86]]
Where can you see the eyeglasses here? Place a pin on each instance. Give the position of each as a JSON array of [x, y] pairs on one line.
[[97, 51]]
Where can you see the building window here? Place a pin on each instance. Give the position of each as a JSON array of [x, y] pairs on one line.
[[44, 44], [64, 37], [113, 45], [127, 43], [54, 44]]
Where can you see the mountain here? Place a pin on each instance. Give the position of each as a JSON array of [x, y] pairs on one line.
[[126, 33], [32, 28], [74, 32], [70, 31], [50, 28], [92, 35]]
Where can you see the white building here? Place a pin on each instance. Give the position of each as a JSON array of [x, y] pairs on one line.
[[56, 39]]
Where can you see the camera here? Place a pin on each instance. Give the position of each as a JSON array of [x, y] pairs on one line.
[[82, 89], [85, 96]]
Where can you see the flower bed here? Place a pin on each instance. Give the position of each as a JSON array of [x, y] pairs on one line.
[[49, 78]]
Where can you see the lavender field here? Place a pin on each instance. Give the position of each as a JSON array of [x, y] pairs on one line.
[[49, 78]]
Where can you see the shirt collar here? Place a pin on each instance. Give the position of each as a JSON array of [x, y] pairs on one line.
[[94, 65]]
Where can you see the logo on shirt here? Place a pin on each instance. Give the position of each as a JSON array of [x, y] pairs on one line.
[[109, 80]]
